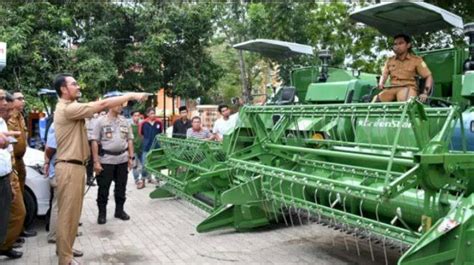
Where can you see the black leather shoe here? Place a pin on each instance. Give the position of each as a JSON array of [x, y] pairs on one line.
[[20, 240], [13, 254], [27, 233], [122, 216], [101, 220]]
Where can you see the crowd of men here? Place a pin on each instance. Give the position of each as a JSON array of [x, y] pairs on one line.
[[13, 142], [94, 140]]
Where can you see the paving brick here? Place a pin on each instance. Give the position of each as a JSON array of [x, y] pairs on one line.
[[163, 232]]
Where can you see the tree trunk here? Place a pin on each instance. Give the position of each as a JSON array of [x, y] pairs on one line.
[[243, 78]]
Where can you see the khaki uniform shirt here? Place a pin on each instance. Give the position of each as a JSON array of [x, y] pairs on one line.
[[403, 72], [113, 134], [16, 122], [71, 133]]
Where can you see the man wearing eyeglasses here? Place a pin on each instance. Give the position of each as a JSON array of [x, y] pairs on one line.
[[16, 122], [72, 154]]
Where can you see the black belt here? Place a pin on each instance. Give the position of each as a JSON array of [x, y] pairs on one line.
[[72, 161], [106, 152]]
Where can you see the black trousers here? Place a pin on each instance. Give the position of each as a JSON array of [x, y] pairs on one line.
[[5, 202], [90, 167], [118, 174]]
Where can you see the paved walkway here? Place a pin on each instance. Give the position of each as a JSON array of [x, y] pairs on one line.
[[163, 232]]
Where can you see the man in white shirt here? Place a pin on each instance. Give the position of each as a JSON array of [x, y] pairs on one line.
[[225, 124], [5, 187]]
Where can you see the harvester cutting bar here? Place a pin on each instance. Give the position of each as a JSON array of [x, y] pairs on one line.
[[349, 220]]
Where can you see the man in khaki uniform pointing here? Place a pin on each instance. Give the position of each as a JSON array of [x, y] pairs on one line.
[[403, 68], [72, 154]]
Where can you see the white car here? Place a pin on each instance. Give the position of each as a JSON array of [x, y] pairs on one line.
[[37, 189]]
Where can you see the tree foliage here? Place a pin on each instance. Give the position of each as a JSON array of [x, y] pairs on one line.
[[107, 46], [185, 46]]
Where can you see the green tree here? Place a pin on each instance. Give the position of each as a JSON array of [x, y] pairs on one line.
[[108, 46], [35, 44]]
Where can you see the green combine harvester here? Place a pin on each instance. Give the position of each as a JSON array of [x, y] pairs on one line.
[[396, 173]]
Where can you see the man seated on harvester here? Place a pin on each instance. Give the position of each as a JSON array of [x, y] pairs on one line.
[[403, 68]]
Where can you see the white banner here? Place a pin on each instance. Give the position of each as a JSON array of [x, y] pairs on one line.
[[3, 55]]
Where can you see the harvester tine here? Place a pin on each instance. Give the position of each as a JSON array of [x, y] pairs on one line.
[[281, 192], [293, 197], [308, 207], [385, 251], [273, 201], [377, 212], [345, 241], [316, 201], [275, 211], [265, 203], [356, 243], [332, 221], [283, 214], [299, 216], [345, 225], [290, 216], [369, 234], [370, 247]]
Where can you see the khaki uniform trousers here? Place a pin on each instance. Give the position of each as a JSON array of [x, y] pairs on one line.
[[54, 210], [17, 215], [21, 169], [397, 93], [70, 180]]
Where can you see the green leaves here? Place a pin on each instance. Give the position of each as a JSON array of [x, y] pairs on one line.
[[184, 47], [108, 46]]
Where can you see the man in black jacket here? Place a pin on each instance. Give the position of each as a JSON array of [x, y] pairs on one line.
[[181, 125]]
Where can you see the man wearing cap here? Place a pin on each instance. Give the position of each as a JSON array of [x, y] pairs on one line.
[[112, 151], [403, 68], [16, 207], [72, 154], [16, 122]]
